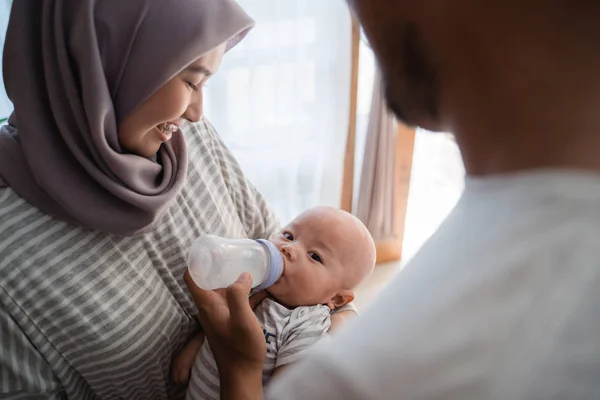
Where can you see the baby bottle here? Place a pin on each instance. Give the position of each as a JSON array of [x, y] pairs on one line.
[[215, 262]]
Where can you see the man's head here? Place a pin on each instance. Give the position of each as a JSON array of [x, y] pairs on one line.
[[327, 253], [501, 67]]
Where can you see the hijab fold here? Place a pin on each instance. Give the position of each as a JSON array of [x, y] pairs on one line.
[[74, 70]]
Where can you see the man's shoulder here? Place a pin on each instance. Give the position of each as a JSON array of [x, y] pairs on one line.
[[502, 299], [510, 299]]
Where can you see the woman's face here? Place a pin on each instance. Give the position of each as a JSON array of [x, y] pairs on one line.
[[154, 122]]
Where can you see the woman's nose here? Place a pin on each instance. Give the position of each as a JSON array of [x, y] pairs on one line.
[[194, 110]]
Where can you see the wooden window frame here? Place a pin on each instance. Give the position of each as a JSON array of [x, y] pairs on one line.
[[388, 250]]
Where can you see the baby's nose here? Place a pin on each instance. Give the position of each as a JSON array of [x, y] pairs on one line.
[[287, 251]]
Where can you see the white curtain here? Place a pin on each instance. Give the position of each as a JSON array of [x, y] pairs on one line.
[[280, 101], [376, 190], [5, 105]]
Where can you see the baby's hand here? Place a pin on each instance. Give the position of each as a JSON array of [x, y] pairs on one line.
[[180, 370], [183, 363], [257, 298]]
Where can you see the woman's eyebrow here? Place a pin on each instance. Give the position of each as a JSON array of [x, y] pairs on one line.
[[198, 69]]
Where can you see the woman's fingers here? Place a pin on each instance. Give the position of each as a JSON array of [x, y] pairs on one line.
[[197, 294], [226, 306], [194, 290], [237, 299], [202, 298], [238, 293], [233, 331]]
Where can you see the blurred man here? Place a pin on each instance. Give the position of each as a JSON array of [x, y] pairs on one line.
[[503, 301]]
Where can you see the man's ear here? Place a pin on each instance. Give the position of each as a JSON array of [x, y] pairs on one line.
[[341, 299]]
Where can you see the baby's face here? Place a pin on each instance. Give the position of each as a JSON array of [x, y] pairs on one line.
[[327, 253]]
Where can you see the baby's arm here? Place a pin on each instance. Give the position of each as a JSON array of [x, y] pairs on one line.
[[182, 364]]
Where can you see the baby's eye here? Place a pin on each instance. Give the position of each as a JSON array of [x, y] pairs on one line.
[[288, 236], [315, 257]]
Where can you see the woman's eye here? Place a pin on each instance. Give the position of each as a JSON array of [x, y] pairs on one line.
[[315, 257], [288, 236], [192, 86]]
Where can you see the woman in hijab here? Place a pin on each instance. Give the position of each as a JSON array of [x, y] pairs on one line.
[[107, 175]]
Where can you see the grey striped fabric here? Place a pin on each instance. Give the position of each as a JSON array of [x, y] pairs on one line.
[[87, 315], [288, 334]]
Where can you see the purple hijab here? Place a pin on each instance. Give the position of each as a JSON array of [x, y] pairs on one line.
[[74, 69]]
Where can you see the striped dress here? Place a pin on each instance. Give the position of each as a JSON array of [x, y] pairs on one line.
[[88, 315]]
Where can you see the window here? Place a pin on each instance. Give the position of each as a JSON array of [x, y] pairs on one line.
[[280, 101]]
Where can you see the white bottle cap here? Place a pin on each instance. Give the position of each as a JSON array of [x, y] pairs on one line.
[[275, 265]]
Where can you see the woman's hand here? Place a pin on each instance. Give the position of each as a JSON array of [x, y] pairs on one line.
[[235, 335]]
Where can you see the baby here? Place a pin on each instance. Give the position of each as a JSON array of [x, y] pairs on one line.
[[327, 253]]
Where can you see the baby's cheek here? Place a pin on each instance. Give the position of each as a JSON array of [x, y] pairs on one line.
[[286, 288], [307, 288]]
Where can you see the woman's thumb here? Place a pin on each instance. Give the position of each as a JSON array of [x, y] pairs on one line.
[[237, 297], [199, 295], [245, 279]]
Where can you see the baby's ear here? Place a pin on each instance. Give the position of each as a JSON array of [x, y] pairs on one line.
[[341, 299]]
